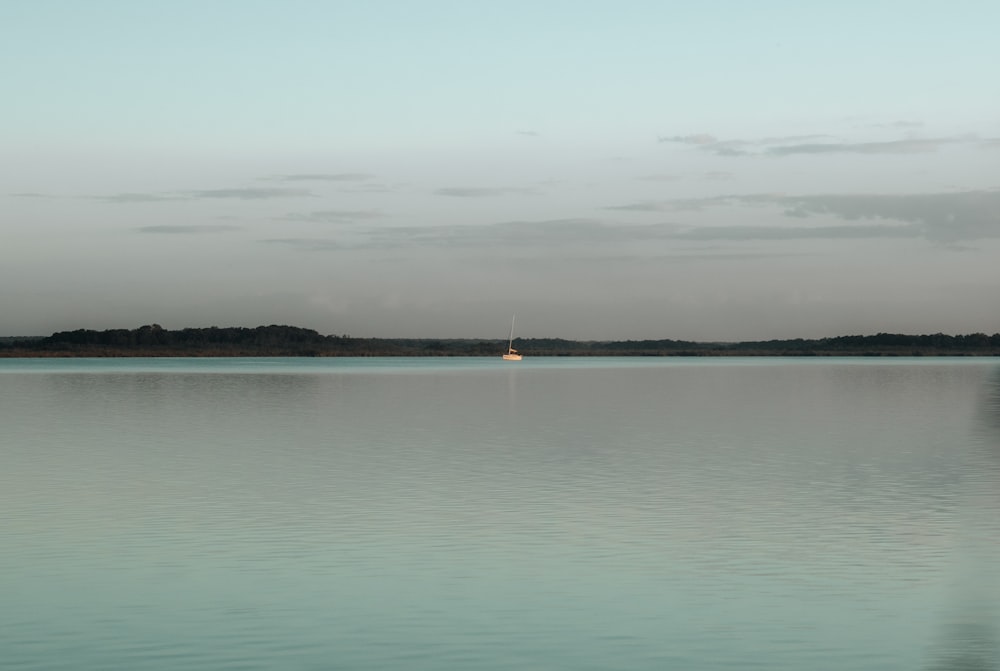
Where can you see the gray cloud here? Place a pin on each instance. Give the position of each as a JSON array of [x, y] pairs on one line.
[[709, 143], [654, 260], [700, 139], [374, 188], [250, 193], [728, 148], [944, 217], [810, 144], [940, 217], [894, 147], [333, 216], [529, 133], [323, 177], [552, 232], [799, 233], [308, 244], [787, 139], [511, 233], [644, 206], [236, 194], [483, 192], [561, 233], [677, 205], [138, 198], [187, 230], [710, 175], [659, 178]]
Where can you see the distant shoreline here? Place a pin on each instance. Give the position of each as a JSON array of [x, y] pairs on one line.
[[291, 341]]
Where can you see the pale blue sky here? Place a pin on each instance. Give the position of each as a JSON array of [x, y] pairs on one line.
[[716, 170]]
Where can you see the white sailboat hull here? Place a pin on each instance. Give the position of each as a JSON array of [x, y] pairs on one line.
[[511, 354]]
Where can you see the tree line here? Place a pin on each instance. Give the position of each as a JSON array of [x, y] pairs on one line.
[[275, 340]]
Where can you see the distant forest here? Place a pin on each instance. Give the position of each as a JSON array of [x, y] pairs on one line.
[[155, 341]]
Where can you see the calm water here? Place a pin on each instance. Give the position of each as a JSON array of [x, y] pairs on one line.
[[470, 514]]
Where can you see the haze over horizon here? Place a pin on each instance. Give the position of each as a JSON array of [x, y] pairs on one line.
[[716, 171]]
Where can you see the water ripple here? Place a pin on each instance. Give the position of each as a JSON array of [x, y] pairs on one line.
[[576, 516]]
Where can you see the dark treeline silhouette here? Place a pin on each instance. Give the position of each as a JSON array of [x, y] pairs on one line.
[[153, 340]]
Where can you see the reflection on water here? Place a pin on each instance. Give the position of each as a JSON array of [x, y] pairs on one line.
[[466, 515], [970, 640]]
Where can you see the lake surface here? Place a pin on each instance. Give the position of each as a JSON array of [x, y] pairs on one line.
[[696, 514]]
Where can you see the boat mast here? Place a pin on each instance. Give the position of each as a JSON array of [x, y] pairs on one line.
[[510, 341]]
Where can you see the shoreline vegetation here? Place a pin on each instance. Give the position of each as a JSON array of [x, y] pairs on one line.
[[291, 341]]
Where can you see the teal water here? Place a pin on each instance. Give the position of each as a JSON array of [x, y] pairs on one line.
[[472, 514]]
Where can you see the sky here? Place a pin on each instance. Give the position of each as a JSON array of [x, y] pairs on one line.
[[719, 170]]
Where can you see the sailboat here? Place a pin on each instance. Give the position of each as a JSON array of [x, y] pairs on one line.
[[511, 354]]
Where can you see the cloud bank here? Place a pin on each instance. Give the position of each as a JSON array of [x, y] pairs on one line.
[[483, 192], [176, 229], [323, 177], [333, 216], [940, 217], [818, 144], [207, 194]]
